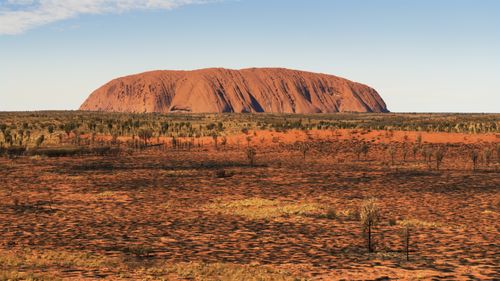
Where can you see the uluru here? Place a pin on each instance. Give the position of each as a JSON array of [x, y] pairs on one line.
[[219, 90]]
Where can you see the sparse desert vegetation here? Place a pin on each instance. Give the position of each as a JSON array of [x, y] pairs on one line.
[[248, 197]]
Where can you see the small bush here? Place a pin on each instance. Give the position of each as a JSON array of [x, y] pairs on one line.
[[39, 141], [331, 214], [145, 135], [414, 149], [140, 252], [352, 215], [474, 156], [440, 152], [362, 148], [221, 173], [487, 155], [408, 227], [370, 216], [251, 153], [392, 153]]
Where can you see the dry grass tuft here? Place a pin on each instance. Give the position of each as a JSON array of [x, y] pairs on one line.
[[258, 208], [222, 272], [350, 214], [15, 275], [53, 261], [106, 194], [52, 258], [488, 212]]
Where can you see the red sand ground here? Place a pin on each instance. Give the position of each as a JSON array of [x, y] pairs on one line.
[[271, 138], [378, 136], [158, 199]]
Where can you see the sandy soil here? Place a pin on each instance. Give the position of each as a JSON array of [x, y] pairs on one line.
[[159, 200]]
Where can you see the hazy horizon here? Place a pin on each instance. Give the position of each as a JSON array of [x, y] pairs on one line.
[[421, 56]]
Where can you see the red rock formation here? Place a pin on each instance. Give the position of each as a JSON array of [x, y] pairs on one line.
[[223, 90]]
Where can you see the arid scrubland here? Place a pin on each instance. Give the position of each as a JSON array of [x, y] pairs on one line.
[[249, 197]]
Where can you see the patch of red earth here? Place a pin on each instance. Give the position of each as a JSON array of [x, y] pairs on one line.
[[266, 138], [270, 138]]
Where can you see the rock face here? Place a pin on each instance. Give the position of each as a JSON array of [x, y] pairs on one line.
[[222, 90]]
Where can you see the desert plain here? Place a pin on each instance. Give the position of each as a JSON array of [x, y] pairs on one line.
[[249, 196]]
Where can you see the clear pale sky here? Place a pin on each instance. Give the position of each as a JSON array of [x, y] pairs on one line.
[[420, 55]]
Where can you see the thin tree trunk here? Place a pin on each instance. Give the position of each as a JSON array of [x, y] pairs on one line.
[[369, 237], [407, 244]]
